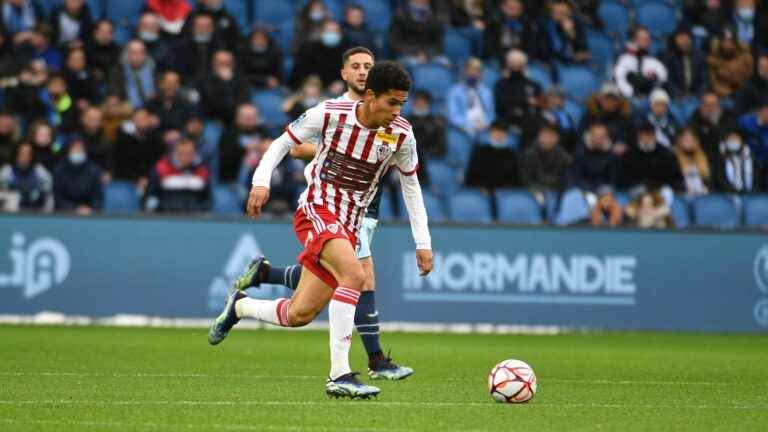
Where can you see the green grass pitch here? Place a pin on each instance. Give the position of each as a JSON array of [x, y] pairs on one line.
[[118, 379]]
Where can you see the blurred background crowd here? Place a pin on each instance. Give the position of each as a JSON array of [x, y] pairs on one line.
[[648, 113]]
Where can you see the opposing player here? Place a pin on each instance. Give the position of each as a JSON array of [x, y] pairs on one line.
[[356, 64], [357, 142]]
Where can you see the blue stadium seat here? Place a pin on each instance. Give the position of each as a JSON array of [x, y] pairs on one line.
[[274, 12], [434, 78], [469, 205], [756, 210], [458, 48], [659, 16], [715, 211], [575, 110], [124, 13], [121, 197], [283, 35], [435, 208], [491, 74], [240, 11], [602, 50], [226, 201], [573, 208], [93, 5], [615, 17], [681, 214], [459, 147], [578, 82], [443, 178], [269, 103], [386, 209], [622, 198], [540, 75], [517, 206], [378, 13]]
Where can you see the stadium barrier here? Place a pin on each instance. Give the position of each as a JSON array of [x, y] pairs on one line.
[[574, 278]]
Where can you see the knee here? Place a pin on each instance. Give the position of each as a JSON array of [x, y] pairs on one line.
[[353, 278], [300, 318]]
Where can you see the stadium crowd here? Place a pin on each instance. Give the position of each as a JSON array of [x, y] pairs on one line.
[[614, 112]]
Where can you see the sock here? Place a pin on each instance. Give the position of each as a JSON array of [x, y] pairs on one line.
[[341, 317], [367, 322], [288, 276], [268, 311]]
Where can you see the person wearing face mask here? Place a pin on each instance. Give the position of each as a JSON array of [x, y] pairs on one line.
[[226, 24], [308, 26], [693, 164], [157, 43], [595, 165], [321, 57], [179, 182], [754, 125], [734, 169], [27, 180], [543, 165], [224, 89], [77, 182], [730, 63], [193, 52], [172, 13], [261, 60], [744, 20], [709, 123], [516, 97], [493, 163], [246, 132], [470, 102], [428, 127], [749, 97], [661, 119], [415, 32], [649, 166]]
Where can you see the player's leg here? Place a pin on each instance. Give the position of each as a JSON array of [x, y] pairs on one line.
[[260, 271]]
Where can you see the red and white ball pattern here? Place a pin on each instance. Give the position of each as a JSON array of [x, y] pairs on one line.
[[512, 381]]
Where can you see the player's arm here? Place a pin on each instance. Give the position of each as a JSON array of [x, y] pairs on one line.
[[407, 163], [304, 151]]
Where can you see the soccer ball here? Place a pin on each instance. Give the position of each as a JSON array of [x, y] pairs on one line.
[[512, 381]]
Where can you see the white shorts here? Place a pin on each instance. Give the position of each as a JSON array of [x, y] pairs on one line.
[[365, 237]]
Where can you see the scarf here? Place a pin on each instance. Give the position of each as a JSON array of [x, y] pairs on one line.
[[145, 76], [18, 19], [738, 170]]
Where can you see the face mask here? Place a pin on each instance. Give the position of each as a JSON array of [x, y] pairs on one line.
[[202, 38], [316, 15], [420, 112], [733, 145], [310, 101], [77, 158], [497, 143], [258, 49], [331, 38], [747, 14], [148, 36], [471, 81], [646, 146]]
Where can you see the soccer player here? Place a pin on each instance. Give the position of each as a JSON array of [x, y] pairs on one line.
[[356, 64], [357, 142]]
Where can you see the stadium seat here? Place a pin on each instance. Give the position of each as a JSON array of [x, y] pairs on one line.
[[121, 197], [270, 103], [602, 50], [575, 110], [622, 198], [443, 178], [434, 78], [469, 205], [457, 47], [756, 210], [226, 200], [240, 10], [124, 13], [578, 82], [491, 74], [378, 13], [435, 208], [715, 211], [93, 5], [274, 12], [283, 35], [517, 206], [681, 214], [386, 209], [659, 16], [459, 147], [573, 208], [540, 75], [615, 17]]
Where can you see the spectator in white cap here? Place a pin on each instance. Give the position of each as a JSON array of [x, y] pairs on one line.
[[659, 116]]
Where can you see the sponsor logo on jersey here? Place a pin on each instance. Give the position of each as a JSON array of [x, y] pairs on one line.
[[387, 138], [36, 267]]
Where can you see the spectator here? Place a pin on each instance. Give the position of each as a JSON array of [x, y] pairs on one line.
[[650, 211], [247, 132], [61, 110], [27, 181], [649, 166], [606, 211], [744, 20], [665, 124], [103, 51], [561, 36], [158, 44], [470, 102], [428, 127], [172, 14], [169, 105], [24, 98], [116, 112], [9, 135], [261, 60], [754, 126], [77, 182], [194, 51], [355, 28], [509, 29], [637, 71], [686, 66], [207, 148], [310, 22], [544, 164], [710, 122], [516, 97], [138, 147], [83, 86], [92, 132], [734, 169], [748, 98], [179, 182], [311, 94], [20, 16], [493, 163], [71, 22], [287, 178], [133, 79], [610, 108], [39, 47], [730, 64], [415, 33], [225, 89], [225, 23], [693, 164], [707, 16], [48, 148], [553, 111], [595, 166], [321, 57]]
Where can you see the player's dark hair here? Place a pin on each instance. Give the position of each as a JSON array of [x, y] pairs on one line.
[[355, 50], [387, 75]]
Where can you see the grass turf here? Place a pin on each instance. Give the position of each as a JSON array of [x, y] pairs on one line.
[[117, 379]]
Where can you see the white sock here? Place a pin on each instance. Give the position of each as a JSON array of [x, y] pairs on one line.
[[341, 317], [268, 311]]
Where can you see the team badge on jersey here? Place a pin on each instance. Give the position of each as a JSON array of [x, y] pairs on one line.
[[383, 151]]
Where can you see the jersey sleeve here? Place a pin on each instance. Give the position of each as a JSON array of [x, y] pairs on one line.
[[308, 126], [406, 160]]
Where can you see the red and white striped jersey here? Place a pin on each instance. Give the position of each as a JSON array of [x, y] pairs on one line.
[[350, 159]]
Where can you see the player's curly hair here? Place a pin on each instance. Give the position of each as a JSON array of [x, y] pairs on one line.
[[388, 75]]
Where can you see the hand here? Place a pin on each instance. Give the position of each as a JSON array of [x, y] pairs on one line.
[[256, 199], [424, 260]]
